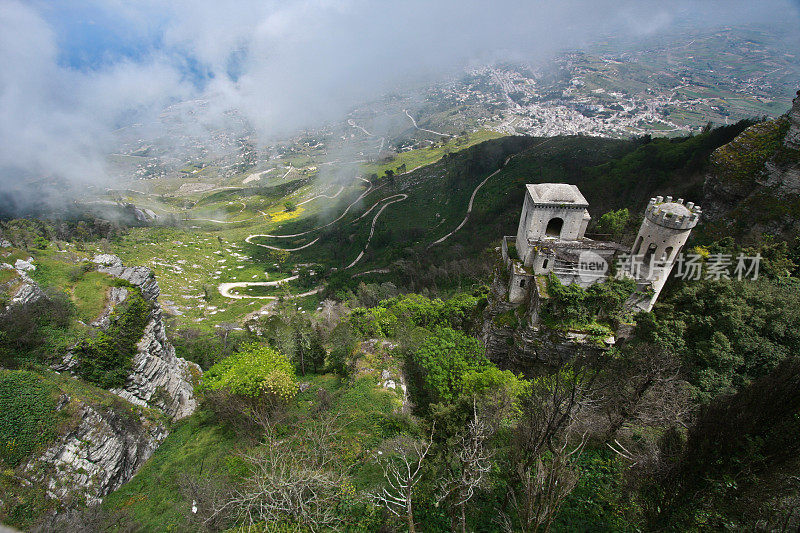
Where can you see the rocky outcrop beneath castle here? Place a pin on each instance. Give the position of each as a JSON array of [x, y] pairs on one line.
[[512, 343], [523, 348], [95, 458], [160, 379]]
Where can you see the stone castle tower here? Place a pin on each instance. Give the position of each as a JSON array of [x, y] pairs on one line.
[[662, 235]]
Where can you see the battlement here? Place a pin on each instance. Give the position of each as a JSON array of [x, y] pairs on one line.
[[673, 214]]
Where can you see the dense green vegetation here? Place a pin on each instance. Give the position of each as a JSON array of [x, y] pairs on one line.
[[107, 358], [572, 306], [253, 372], [27, 415], [729, 332], [442, 361]]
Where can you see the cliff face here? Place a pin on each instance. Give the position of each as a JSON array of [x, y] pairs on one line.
[[95, 458], [792, 139], [512, 343], [753, 186], [112, 433]]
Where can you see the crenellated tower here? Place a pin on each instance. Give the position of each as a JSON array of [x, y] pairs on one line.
[[664, 231]]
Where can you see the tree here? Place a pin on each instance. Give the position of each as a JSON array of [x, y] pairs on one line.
[[614, 222], [545, 448], [443, 359], [289, 206], [256, 372], [316, 350], [390, 177], [643, 386], [471, 466], [402, 471], [294, 479]]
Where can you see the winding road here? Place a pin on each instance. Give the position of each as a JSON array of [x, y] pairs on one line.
[[372, 228], [472, 198], [225, 288], [423, 129], [469, 207]]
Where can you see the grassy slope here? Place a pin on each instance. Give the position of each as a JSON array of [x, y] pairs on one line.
[[29, 501], [156, 497], [425, 156]]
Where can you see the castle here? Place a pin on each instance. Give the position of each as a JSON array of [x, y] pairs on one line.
[[551, 238]]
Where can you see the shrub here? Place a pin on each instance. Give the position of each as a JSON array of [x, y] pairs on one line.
[[255, 372], [27, 414], [442, 361], [613, 222], [107, 359], [26, 329], [416, 310], [574, 306]]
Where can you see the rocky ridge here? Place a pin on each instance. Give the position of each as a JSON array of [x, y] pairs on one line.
[[110, 439], [753, 186], [160, 379], [792, 139], [104, 451]]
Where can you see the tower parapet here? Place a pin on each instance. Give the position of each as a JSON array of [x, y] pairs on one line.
[[671, 214]]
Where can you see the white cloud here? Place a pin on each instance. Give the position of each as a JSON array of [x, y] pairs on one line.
[[303, 61]]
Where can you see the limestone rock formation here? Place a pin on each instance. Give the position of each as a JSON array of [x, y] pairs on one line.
[[110, 439], [522, 347], [792, 139], [26, 290], [99, 455], [753, 186], [160, 379]]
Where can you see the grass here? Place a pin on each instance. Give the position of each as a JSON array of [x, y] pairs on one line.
[[425, 156], [90, 293], [283, 216], [157, 499], [154, 498]]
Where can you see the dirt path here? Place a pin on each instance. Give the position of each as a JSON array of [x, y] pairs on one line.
[[372, 228], [472, 198], [341, 188], [423, 129], [225, 288], [369, 190]]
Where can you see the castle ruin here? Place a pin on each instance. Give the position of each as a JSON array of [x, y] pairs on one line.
[[551, 238]]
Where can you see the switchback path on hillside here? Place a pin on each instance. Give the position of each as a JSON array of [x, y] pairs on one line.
[[469, 207], [372, 228], [472, 198], [225, 288], [341, 188], [423, 129], [312, 230]]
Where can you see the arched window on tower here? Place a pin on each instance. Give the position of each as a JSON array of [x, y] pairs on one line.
[[545, 263], [648, 256], [638, 245], [667, 254], [554, 227]]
